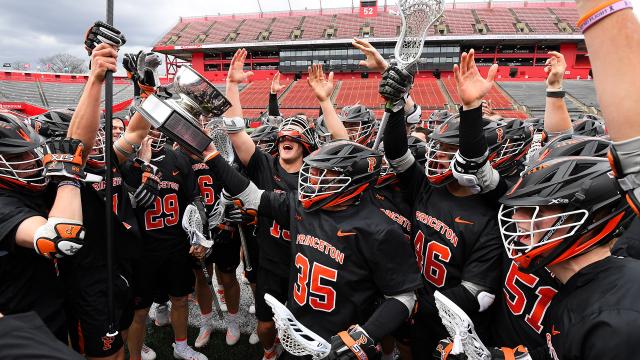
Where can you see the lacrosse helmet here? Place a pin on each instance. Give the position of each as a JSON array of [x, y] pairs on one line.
[[589, 125], [559, 209], [573, 145], [265, 138], [359, 121], [298, 129], [322, 133], [21, 156], [514, 146], [435, 119], [53, 123], [337, 172]]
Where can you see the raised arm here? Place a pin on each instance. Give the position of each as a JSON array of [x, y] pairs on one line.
[[86, 118], [242, 143], [322, 88], [556, 115], [276, 87]]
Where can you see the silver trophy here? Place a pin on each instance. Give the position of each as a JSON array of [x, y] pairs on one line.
[[177, 116]]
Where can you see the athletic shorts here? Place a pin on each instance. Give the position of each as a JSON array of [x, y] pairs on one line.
[[86, 307], [273, 284], [225, 253], [155, 274]]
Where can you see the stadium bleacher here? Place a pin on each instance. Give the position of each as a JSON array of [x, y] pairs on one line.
[[22, 91], [59, 95], [460, 21], [582, 90], [499, 20], [299, 97], [539, 19], [362, 91], [427, 94], [256, 94]]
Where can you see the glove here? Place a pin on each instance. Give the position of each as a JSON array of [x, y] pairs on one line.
[[395, 85], [142, 69], [445, 347], [476, 174], [235, 214], [624, 159], [353, 344], [58, 238], [149, 190], [64, 159], [101, 32]]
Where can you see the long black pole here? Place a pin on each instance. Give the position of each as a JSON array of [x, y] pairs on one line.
[[108, 108]]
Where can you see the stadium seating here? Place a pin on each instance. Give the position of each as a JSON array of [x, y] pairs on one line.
[[499, 20], [251, 28], [533, 95], [21, 91], [384, 25], [299, 96], [497, 98], [427, 94], [61, 95], [282, 27], [460, 21], [569, 15], [256, 94], [539, 19], [582, 90], [361, 91], [314, 26]]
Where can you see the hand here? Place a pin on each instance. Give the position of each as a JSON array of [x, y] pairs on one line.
[[471, 86], [198, 251], [236, 72], [395, 84], [103, 58], [374, 61], [555, 67], [234, 214], [353, 344], [445, 349], [275, 84], [322, 87], [64, 159], [142, 69], [144, 153], [100, 33], [149, 189]]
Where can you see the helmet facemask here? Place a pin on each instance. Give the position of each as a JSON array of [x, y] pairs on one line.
[[24, 168], [97, 158], [316, 184], [439, 157]]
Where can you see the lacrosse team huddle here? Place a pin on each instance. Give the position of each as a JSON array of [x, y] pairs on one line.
[[461, 235]]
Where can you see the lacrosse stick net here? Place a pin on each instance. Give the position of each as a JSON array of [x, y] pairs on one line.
[[220, 138], [460, 327], [192, 224], [295, 337]]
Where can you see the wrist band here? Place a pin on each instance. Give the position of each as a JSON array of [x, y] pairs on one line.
[[69, 183], [601, 11], [556, 93]]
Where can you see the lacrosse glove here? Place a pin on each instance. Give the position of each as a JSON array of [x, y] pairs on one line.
[[149, 189], [354, 343], [101, 32], [444, 352], [64, 159]]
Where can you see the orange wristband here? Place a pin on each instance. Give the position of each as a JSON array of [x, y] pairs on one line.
[[594, 10]]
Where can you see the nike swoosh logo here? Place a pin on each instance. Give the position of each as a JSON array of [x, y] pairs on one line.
[[340, 233], [554, 331], [461, 221], [175, 173]]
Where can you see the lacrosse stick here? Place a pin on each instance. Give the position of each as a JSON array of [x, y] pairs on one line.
[[295, 337], [417, 18], [460, 327], [245, 249], [192, 224]]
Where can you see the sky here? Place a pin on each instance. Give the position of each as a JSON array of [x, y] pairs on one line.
[[60, 25]]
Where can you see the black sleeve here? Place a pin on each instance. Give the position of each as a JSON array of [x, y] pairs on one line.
[[258, 165], [612, 337], [276, 205], [473, 143], [12, 213], [386, 319], [274, 108], [493, 197], [395, 136], [483, 265], [192, 190], [229, 177], [413, 180]]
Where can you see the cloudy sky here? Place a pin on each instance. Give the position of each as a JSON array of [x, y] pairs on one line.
[[59, 25]]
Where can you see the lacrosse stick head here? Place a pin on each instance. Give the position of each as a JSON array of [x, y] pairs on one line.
[[220, 138], [216, 217], [193, 225], [460, 327], [417, 18], [295, 337]]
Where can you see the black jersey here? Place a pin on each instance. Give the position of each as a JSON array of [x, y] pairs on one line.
[[343, 261], [519, 311], [629, 243], [28, 281], [161, 221], [265, 171], [392, 201], [454, 238], [595, 315]]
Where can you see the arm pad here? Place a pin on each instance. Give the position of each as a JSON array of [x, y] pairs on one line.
[[59, 237]]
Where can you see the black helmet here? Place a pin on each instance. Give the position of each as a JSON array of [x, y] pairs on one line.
[[265, 138], [589, 125], [323, 135], [53, 123], [435, 119], [444, 142], [298, 129], [588, 211], [574, 145], [515, 143], [339, 171], [21, 166], [359, 122]]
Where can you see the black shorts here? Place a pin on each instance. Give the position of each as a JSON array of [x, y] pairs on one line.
[[225, 252], [158, 273], [86, 307], [273, 284]]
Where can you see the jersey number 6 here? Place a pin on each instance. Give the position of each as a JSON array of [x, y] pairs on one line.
[[321, 297]]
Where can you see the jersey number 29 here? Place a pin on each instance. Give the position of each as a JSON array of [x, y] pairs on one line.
[[168, 205], [320, 297]]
